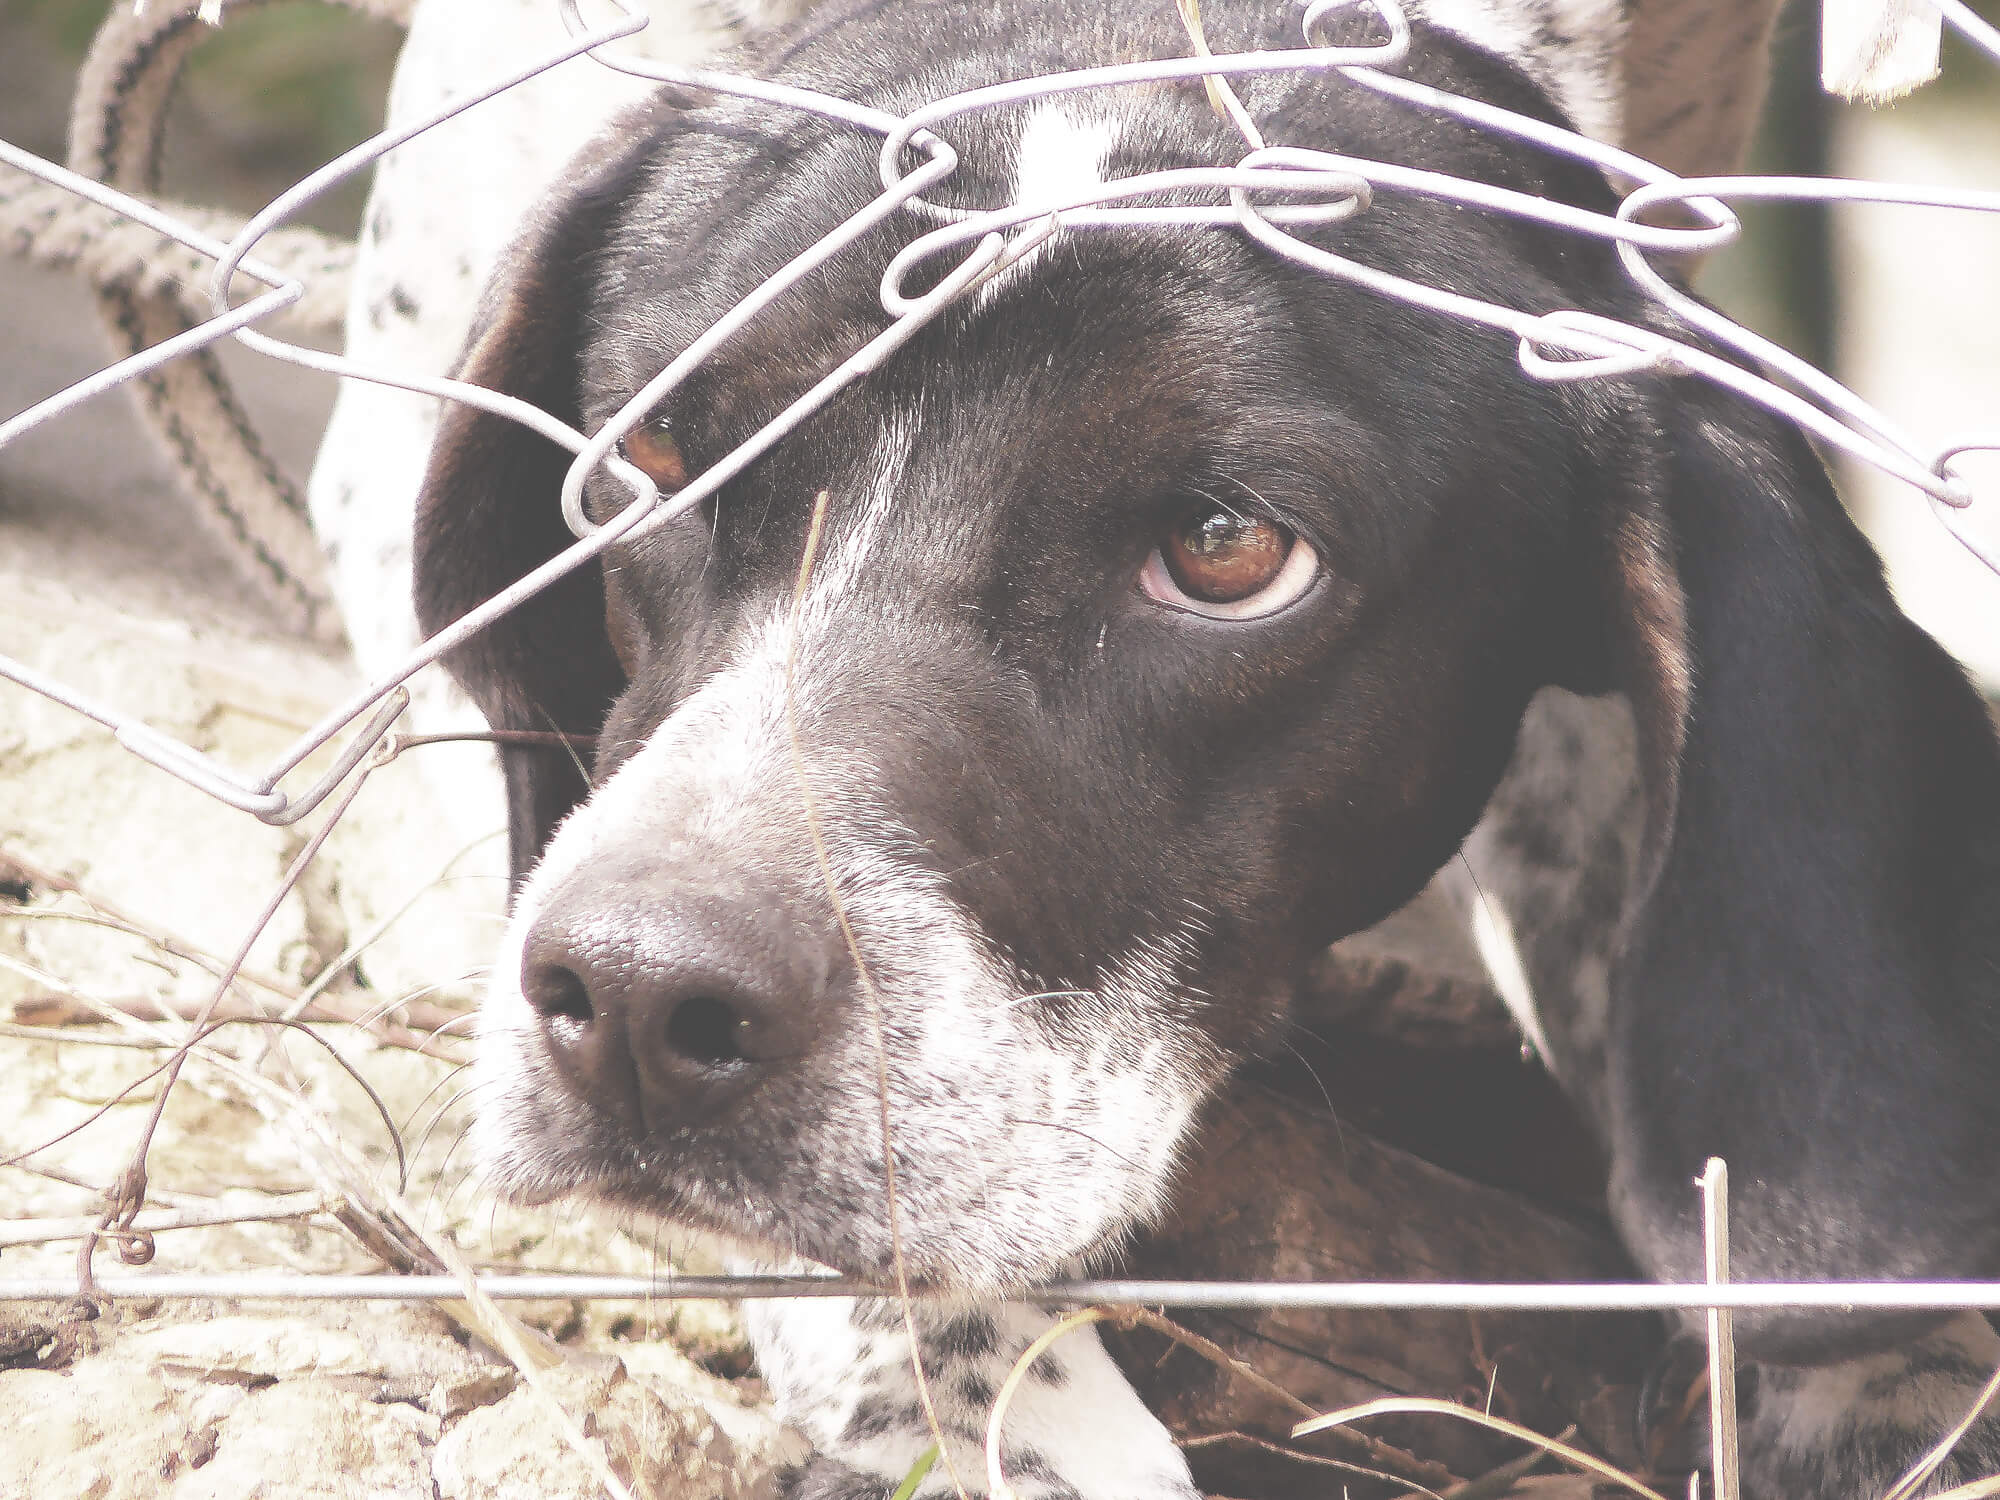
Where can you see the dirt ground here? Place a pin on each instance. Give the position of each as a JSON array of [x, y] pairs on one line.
[[99, 586]]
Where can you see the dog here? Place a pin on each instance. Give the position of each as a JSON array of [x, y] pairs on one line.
[[1172, 611]]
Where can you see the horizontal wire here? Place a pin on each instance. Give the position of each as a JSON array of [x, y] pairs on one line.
[[1618, 1296]]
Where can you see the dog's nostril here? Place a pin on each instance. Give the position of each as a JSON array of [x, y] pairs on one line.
[[705, 1030], [555, 991]]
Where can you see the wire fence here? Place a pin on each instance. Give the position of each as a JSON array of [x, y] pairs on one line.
[[1555, 344], [1268, 194]]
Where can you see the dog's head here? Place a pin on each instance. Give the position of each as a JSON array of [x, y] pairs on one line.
[[1172, 614]]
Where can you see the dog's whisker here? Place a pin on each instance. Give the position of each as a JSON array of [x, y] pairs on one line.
[[447, 1197], [1020, 1121], [432, 1208], [1312, 1073], [469, 1091], [444, 1081], [444, 1163]]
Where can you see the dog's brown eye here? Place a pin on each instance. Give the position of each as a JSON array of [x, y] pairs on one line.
[[1219, 558], [653, 450], [1229, 566]]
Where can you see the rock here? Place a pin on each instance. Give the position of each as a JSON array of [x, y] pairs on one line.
[[663, 1445], [311, 1440], [73, 801], [410, 1348], [368, 1402], [102, 1430], [249, 1350], [449, 1399]]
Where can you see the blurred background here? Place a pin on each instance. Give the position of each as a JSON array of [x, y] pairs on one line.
[[271, 95], [85, 499], [1903, 304]]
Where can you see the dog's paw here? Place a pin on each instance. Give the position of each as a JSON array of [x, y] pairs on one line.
[[1073, 1429], [1855, 1429], [824, 1478], [1859, 1427]]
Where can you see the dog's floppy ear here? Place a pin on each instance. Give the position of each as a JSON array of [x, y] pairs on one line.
[[1818, 879], [490, 510]]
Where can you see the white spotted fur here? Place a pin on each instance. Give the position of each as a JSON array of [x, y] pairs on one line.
[[447, 204], [1581, 74]]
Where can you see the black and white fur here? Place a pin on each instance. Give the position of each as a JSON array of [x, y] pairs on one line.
[[1085, 843]]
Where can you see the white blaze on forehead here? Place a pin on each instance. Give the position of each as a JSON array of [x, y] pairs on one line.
[[1060, 156]]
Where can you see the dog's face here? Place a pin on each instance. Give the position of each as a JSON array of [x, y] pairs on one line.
[[1169, 613]]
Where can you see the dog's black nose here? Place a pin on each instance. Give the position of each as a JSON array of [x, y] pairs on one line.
[[663, 1006]]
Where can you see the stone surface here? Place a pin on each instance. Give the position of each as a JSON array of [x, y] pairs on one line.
[[106, 1431], [311, 1440], [374, 1402], [412, 1347], [662, 1444]]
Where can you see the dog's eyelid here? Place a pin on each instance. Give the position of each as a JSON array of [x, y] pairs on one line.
[[1235, 497]]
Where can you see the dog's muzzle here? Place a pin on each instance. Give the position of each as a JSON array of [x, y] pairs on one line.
[[710, 997]]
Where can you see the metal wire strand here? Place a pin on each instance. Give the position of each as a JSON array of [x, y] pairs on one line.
[[1268, 194]]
